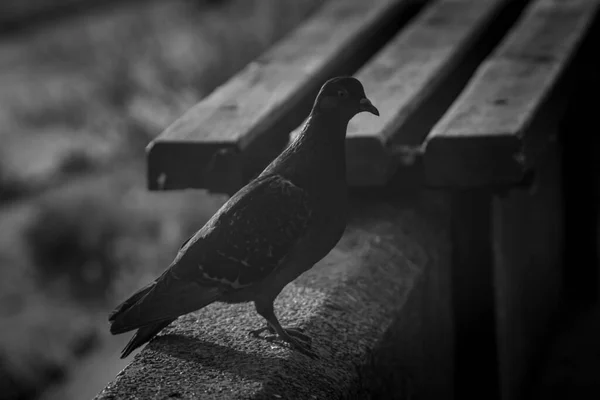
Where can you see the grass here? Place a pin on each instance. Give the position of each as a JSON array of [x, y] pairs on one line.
[[80, 100]]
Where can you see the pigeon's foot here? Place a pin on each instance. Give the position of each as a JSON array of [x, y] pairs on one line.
[[300, 345], [298, 334], [294, 332], [295, 337]]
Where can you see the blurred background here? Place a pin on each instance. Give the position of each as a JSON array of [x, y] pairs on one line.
[[85, 85]]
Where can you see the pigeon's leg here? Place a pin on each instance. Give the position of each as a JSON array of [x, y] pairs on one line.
[[265, 309]]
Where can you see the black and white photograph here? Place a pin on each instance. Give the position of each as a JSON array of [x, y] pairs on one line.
[[299, 199]]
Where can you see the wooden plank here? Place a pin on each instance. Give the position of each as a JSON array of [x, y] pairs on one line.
[[580, 163], [473, 296], [528, 273], [486, 137], [412, 70], [270, 97]]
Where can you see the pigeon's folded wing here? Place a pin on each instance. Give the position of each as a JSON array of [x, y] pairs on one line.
[[244, 242], [249, 237]]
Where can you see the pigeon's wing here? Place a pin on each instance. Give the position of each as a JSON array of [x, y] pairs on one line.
[[240, 245], [167, 299], [249, 236]]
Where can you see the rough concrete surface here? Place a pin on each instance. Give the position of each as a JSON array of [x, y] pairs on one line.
[[346, 303]]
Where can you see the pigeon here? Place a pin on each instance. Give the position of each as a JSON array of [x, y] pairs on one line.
[[266, 235]]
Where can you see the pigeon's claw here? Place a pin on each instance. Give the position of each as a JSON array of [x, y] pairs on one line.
[[301, 346], [298, 334], [256, 332], [298, 340], [293, 332]]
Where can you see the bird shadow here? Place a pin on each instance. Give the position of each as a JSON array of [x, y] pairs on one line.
[[211, 355]]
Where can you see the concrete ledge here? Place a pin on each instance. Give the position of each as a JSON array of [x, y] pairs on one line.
[[354, 305]]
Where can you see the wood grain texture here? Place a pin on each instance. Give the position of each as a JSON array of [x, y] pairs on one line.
[[275, 86], [528, 273], [406, 74], [481, 139]]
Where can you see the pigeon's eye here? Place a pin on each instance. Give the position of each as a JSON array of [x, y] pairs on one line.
[[342, 93]]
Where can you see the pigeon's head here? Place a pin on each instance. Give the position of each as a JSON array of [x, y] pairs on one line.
[[343, 97]]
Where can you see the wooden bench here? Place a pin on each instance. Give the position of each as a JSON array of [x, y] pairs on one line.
[[464, 165]]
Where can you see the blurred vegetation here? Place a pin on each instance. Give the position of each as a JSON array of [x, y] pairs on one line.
[[81, 97], [77, 242]]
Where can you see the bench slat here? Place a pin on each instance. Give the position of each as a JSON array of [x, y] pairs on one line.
[[279, 84], [409, 71], [481, 139]]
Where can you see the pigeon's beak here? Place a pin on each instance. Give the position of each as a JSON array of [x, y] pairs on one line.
[[366, 105]]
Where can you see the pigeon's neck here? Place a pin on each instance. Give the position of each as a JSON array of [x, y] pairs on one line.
[[322, 133], [317, 152]]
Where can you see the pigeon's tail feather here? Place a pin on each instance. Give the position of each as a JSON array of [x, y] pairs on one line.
[[166, 299], [143, 336], [127, 304]]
